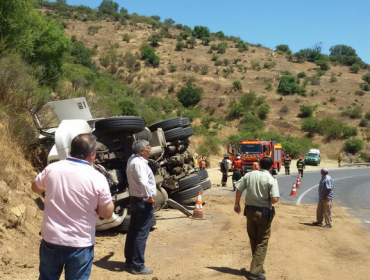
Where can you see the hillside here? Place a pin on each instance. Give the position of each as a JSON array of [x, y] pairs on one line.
[[332, 95]]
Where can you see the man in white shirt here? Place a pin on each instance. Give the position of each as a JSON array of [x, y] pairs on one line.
[[142, 190]]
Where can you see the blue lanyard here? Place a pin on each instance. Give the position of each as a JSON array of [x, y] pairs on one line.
[[78, 161]]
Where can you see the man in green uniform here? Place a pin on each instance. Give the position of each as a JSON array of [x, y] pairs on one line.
[[261, 192], [300, 165], [287, 161]]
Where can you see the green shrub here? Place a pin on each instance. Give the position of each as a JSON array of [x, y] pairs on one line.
[[250, 123], [365, 156], [269, 65], [288, 86], [360, 92], [237, 85], [367, 115], [323, 64], [256, 65], [128, 107], [269, 86], [204, 70], [365, 86], [263, 111], [214, 57], [221, 47], [307, 111], [355, 113], [173, 68], [236, 110], [311, 126], [179, 46], [353, 145], [147, 54], [283, 48], [333, 79], [206, 121], [218, 63], [366, 78], [315, 80], [210, 146], [301, 75], [93, 29], [354, 68], [126, 38], [200, 32], [364, 123], [190, 96]]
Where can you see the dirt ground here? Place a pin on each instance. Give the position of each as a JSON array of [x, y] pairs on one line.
[[216, 247]]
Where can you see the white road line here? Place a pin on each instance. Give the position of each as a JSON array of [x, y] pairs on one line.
[[303, 194]]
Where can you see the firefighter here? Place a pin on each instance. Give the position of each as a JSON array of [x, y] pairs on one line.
[[300, 165], [225, 169], [256, 164], [237, 171], [287, 161]]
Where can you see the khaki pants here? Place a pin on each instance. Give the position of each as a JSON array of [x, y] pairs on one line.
[[259, 231], [324, 211]]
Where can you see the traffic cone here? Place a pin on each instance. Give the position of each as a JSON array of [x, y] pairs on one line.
[[198, 211], [299, 184], [293, 192]]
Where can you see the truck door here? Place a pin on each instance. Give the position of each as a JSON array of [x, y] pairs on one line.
[[231, 150]]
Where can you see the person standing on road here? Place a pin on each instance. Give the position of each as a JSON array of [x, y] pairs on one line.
[[142, 190], [195, 158], [287, 161], [300, 165], [261, 192], [326, 194], [224, 166], [237, 170], [75, 194]]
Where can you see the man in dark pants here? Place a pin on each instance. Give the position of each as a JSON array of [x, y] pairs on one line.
[[300, 165], [261, 192], [287, 161], [142, 189], [225, 169]]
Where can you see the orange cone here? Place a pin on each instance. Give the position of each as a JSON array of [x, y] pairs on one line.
[[299, 184], [293, 192], [198, 211]]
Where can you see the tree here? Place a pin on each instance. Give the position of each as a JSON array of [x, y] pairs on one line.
[[323, 64], [169, 21], [345, 55], [354, 68], [108, 7], [307, 111], [154, 39], [200, 32], [128, 108], [263, 111], [288, 86], [190, 96], [283, 48]]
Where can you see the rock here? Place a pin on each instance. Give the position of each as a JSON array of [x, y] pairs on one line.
[[19, 215]]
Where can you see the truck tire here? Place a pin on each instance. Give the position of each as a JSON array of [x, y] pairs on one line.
[[166, 124], [189, 181], [125, 123], [206, 185], [185, 122], [203, 174], [187, 194], [126, 222], [174, 134], [188, 131]]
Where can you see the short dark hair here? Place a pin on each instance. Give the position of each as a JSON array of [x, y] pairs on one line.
[[266, 163], [83, 145]]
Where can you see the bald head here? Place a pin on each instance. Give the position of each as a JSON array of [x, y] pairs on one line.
[[324, 171]]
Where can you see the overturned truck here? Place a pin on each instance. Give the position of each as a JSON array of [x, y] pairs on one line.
[[177, 177]]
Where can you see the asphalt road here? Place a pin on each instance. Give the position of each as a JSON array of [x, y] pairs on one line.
[[351, 189]]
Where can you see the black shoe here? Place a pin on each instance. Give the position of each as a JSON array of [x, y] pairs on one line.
[[316, 224], [256, 277]]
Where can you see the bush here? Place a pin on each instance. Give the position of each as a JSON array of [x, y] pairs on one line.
[[190, 96], [283, 48], [367, 115], [263, 111], [201, 32], [126, 38], [364, 123], [323, 64], [301, 75], [307, 111], [269, 65], [354, 68], [210, 146], [179, 46], [237, 85], [353, 145], [366, 78], [311, 126], [204, 70], [355, 113], [128, 107], [251, 123], [360, 92], [173, 68], [333, 79], [214, 57], [365, 87], [288, 86], [147, 54], [256, 65], [315, 80], [235, 111]]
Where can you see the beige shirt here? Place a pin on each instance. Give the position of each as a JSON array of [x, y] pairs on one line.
[[260, 187], [140, 178]]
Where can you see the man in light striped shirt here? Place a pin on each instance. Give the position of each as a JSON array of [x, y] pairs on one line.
[[142, 190]]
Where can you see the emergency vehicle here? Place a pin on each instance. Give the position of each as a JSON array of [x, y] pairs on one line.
[[252, 150]]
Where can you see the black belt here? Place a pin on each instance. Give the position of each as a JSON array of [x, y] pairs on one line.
[[137, 198], [254, 208]]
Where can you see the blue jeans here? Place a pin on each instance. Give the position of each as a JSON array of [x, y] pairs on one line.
[[76, 262], [138, 232]]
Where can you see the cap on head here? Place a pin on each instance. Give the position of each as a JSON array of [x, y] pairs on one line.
[[226, 156], [237, 155], [325, 170]]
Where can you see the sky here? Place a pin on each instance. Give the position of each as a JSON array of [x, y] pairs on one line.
[[299, 24]]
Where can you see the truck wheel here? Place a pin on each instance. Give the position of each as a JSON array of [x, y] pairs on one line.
[[174, 134], [126, 222], [189, 131], [166, 124], [206, 185], [186, 194], [203, 174], [185, 122], [125, 123], [189, 181]]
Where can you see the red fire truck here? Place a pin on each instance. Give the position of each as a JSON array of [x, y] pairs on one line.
[[252, 150]]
